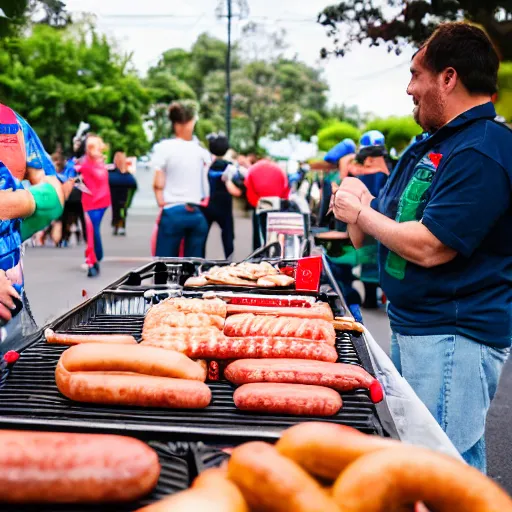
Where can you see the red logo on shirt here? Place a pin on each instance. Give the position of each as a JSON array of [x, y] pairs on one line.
[[435, 158]]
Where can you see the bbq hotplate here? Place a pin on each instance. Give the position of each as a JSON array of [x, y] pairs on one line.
[[29, 397]]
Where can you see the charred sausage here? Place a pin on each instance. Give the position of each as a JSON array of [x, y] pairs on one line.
[[283, 326], [221, 347]]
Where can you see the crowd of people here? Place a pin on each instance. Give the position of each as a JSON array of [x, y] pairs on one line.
[[194, 187], [101, 186]]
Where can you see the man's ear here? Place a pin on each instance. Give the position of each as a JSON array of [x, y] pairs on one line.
[[449, 79]]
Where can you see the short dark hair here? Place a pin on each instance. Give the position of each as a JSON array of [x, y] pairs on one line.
[[181, 112], [218, 145], [469, 51]]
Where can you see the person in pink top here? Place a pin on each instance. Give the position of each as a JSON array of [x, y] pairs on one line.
[[95, 176]]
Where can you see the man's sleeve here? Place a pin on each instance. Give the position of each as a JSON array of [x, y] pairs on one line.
[[471, 193], [37, 157]]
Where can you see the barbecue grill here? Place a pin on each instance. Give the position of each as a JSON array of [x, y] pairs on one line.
[[29, 398]]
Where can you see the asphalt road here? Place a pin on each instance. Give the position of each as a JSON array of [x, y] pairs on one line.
[[56, 283]]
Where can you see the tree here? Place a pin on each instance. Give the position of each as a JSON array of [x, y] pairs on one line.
[[504, 103], [268, 99], [191, 67], [398, 22], [329, 136], [58, 78], [398, 131], [21, 12]]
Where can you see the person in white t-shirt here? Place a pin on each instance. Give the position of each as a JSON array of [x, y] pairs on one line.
[[180, 185]]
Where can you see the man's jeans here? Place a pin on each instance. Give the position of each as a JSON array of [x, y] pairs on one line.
[[456, 378]]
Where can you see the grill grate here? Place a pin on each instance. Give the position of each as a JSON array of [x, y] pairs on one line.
[[30, 397]]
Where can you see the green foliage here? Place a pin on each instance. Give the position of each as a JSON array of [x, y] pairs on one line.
[[504, 103], [58, 78], [269, 98], [330, 136], [395, 23], [398, 130], [309, 124]]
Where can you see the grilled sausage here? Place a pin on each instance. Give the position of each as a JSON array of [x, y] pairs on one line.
[[42, 467], [134, 359], [132, 389], [285, 326], [326, 449], [393, 479], [211, 491], [222, 347], [62, 338], [339, 376], [319, 310], [288, 399], [270, 482]]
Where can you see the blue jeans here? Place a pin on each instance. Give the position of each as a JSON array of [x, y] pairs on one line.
[[94, 250], [181, 223], [456, 378]]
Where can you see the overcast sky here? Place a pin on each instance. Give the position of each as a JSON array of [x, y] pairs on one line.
[[368, 77]]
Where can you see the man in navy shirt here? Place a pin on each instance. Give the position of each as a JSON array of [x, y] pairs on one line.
[[444, 223]]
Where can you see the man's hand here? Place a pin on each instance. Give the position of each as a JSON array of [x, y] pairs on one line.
[[7, 293], [347, 206], [355, 186]]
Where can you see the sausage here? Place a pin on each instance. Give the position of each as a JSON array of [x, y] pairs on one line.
[[288, 399], [318, 310], [62, 338], [44, 467], [339, 376], [184, 305], [174, 319], [221, 347], [270, 482], [132, 389], [392, 479], [134, 359], [252, 325], [326, 449], [214, 493]]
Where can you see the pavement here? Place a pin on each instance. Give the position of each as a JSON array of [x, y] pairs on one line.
[[56, 283]]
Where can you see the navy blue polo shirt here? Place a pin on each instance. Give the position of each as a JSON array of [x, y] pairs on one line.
[[467, 206]]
